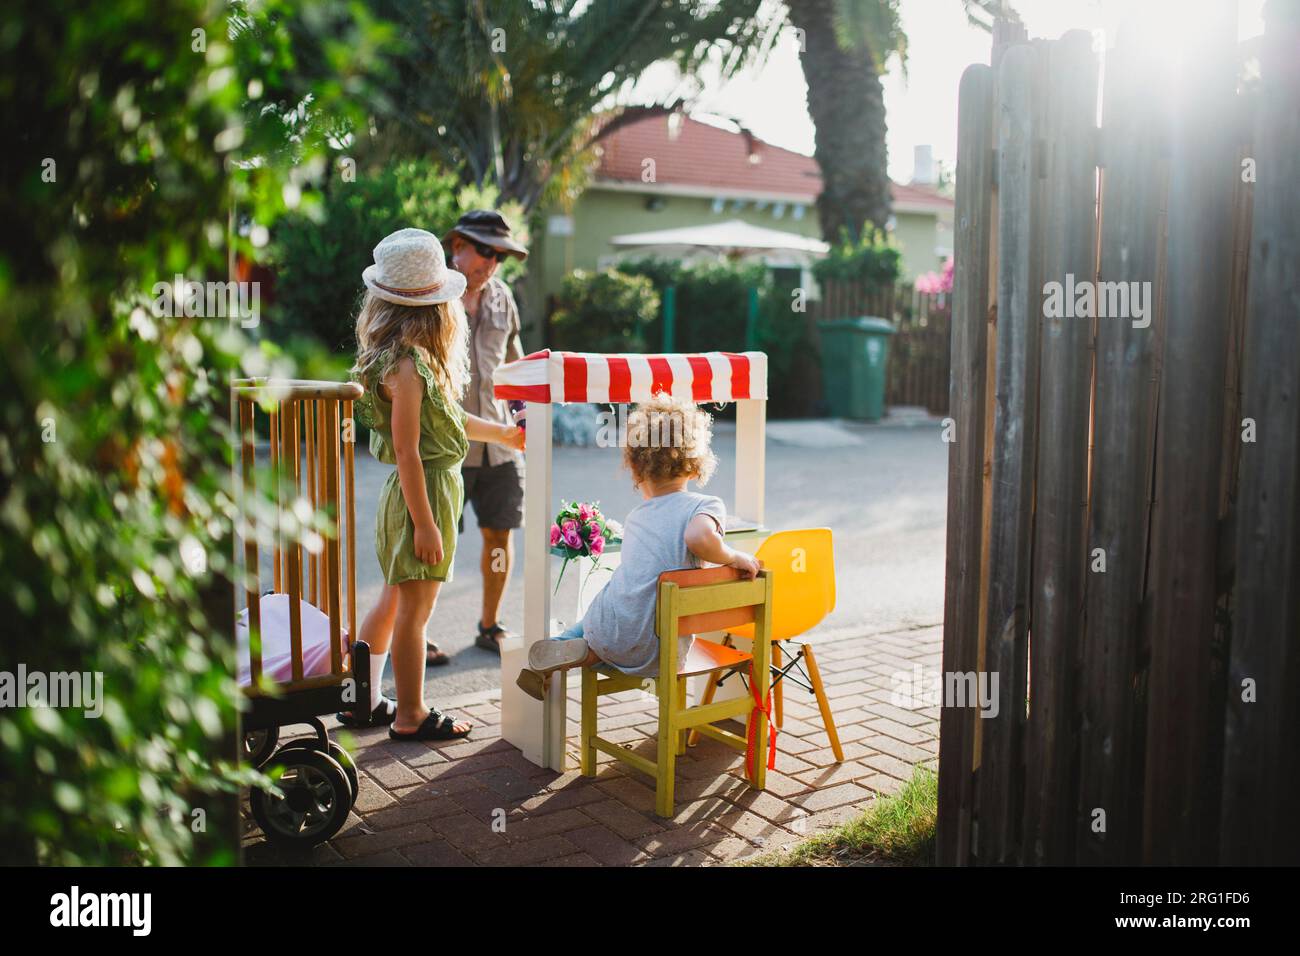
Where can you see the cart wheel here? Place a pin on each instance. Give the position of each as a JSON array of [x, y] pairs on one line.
[[259, 745], [341, 756], [317, 798]]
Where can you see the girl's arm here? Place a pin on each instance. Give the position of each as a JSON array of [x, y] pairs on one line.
[[406, 387], [480, 429], [705, 541]]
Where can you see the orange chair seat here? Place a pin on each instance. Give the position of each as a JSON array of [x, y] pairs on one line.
[[706, 656], [703, 658]]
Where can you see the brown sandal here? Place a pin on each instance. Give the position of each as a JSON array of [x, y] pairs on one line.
[[490, 638], [435, 656]]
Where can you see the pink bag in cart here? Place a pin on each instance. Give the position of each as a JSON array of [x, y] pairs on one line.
[[277, 651]]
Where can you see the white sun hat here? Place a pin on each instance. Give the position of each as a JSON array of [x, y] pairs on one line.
[[411, 269]]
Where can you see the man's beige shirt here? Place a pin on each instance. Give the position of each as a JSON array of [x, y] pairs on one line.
[[493, 341]]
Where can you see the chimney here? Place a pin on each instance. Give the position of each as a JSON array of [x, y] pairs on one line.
[[923, 165]]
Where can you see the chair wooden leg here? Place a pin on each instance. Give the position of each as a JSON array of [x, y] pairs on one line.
[[681, 703], [816, 677], [763, 678], [589, 701], [710, 689], [666, 756], [778, 692]]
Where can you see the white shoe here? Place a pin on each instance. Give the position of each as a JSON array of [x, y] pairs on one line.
[[547, 656]]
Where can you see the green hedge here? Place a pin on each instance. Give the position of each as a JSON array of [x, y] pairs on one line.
[[872, 258], [604, 312], [712, 314]]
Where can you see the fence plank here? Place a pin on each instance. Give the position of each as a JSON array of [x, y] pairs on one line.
[[1011, 458], [966, 453], [1110, 759], [1060, 491], [1184, 732], [1262, 738]]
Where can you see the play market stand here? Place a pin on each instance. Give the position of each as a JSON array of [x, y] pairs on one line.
[[546, 378]]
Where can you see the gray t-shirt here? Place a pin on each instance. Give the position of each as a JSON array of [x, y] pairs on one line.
[[620, 623]]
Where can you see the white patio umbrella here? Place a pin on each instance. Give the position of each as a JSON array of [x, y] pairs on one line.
[[734, 237]]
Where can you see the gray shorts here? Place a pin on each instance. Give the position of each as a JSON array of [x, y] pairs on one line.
[[497, 494]]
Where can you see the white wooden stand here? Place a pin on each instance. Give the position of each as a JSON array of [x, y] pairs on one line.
[[537, 729]]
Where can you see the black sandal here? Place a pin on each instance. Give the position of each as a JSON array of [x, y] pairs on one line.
[[437, 726], [385, 712], [435, 656], [488, 637]]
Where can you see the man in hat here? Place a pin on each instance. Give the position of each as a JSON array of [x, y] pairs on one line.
[[494, 475]]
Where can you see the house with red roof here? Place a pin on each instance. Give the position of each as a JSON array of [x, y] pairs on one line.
[[671, 185]]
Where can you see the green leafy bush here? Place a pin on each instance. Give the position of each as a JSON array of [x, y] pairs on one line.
[[318, 255], [873, 258], [116, 502], [604, 312]]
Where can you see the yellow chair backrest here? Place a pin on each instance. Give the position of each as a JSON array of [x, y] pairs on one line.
[[802, 565]]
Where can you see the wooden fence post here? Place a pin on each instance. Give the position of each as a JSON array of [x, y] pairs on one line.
[[1060, 491], [1012, 457], [1184, 733], [1262, 735], [1110, 757], [966, 452]]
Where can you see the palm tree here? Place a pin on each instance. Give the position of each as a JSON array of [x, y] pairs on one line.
[[845, 46]]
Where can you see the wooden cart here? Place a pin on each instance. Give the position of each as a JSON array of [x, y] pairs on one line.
[[300, 660]]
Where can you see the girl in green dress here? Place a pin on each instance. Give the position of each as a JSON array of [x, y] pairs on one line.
[[413, 359]]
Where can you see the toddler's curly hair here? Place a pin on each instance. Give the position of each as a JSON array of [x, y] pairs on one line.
[[668, 438]]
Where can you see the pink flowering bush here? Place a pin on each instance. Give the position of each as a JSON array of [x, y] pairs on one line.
[[932, 282]]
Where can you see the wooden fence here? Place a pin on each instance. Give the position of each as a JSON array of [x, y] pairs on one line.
[[918, 369], [1123, 547]]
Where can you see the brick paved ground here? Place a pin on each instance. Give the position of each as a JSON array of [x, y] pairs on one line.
[[425, 804]]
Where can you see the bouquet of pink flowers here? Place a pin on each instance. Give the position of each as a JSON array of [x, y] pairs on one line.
[[580, 530]]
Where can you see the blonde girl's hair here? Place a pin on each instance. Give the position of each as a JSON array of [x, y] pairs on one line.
[[438, 333], [668, 438]]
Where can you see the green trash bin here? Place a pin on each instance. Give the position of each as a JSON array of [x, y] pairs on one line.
[[854, 356]]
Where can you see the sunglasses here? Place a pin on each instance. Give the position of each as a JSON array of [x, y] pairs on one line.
[[487, 252]]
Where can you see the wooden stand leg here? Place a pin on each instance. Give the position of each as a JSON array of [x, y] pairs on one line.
[[816, 677]]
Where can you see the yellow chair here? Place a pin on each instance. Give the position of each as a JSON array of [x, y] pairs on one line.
[[693, 602], [802, 565]]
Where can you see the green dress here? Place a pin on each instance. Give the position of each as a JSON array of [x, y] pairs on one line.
[[443, 447]]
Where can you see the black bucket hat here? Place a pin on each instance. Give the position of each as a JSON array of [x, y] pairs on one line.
[[488, 227]]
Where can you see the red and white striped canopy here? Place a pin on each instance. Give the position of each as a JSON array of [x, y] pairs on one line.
[[548, 376]]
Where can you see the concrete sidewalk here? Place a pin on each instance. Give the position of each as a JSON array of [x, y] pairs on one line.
[[478, 802]]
